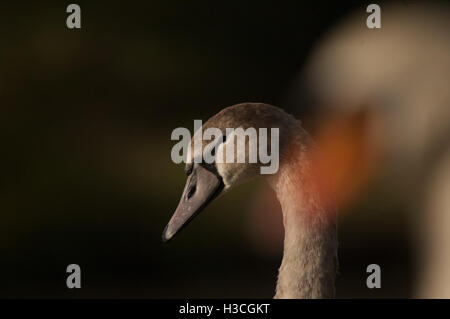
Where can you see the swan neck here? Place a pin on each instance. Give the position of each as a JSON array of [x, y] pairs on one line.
[[308, 268]]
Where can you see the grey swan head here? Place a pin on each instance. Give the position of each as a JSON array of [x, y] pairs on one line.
[[309, 261]]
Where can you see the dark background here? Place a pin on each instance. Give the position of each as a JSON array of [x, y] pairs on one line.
[[86, 117]]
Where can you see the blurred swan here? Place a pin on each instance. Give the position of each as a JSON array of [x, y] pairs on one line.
[[384, 109]]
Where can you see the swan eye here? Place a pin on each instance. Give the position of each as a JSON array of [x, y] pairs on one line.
[[188, 169]]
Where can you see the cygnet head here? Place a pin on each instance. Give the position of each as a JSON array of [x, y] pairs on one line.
[[209, 178]]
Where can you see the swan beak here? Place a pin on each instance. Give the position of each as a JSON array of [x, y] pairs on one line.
[[202, 186]]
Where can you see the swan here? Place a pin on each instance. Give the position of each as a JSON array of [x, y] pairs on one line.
[[309, 263], [389, 89]]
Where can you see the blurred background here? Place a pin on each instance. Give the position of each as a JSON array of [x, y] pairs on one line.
[[86, 117]]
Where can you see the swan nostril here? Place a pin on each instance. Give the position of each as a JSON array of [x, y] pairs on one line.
[[191, 192]]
